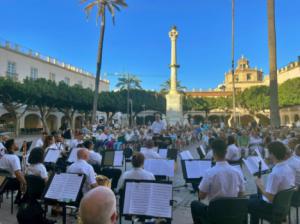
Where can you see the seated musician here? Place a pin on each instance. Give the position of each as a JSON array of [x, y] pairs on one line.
[[95, 159], [222, 180], [11, 163], [49, 143], [137, 172], [78, 139], [281, 178], [209, 154], [40, 142], [233, 152], [81, 166], [150, 153], [36, 166]]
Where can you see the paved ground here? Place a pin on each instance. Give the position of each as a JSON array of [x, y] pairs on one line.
[[181, 210]]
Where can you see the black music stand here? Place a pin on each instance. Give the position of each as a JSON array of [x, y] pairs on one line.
[[51, 158], [58, 190], [109, 159], [139, 190]]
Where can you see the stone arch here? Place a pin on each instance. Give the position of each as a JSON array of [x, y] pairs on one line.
[[8, 122], [198, 119], [52, 122], [78, 122], [263, 120], [32, 121], [214, 118], [296, 117], [246, 119]]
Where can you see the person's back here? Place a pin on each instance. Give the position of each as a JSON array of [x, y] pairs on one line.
[[227, 181]]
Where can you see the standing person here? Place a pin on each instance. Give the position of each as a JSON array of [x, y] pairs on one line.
[[158, 125], [222, 180], [281, 178]]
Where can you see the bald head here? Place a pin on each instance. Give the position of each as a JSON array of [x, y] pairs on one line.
[[98, 207], [83, 154]]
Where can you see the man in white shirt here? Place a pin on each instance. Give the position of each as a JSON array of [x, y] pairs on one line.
[[137, 173], [281, 178], [40, 142], [149, 151], [222, 180], [77, 140], [81, 166], [233, 152], [158, 125], [294, 162]]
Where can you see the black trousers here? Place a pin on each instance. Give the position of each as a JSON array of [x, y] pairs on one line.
[[199, 212], [257, 207]]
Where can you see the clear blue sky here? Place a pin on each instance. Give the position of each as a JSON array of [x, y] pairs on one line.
[[139, 42]]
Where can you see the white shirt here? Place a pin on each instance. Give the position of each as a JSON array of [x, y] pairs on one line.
[[151, 154], [75, 142], [222, 180], [82, 167], [39, 143], [294, 163], [103, 137], [10, 163], [209, 154], [281, 178], [37, 170], [95, 158], [135, 174], [255, 140], [233, 153], [158, 126]]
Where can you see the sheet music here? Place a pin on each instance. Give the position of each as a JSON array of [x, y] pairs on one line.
[[52, 156], [252, 163], [64, 187], [160, 167], [144, 149], [163, 153], [196, 168], [186, 155], [73, 155], [150, 199], [118, 158]]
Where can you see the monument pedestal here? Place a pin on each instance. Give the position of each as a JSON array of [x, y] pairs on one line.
[[174, 108]]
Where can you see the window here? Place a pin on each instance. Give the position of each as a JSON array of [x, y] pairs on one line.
[[11, 70], [33, 73], [52, 76], [67, 80], [248, 77]]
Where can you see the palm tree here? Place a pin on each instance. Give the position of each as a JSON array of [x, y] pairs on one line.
[[102, 6], [274, 108], [165, 87], [129, 82]]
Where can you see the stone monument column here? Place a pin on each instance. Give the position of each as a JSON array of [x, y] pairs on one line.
[[174, 98]]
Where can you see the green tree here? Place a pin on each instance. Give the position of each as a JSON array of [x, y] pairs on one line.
[[165, 87], [41, 93], [14, 100], [255, 99], [102, 6], [129, 82], [289, 93]]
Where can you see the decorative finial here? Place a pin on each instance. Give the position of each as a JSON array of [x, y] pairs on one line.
[[174, 27]]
